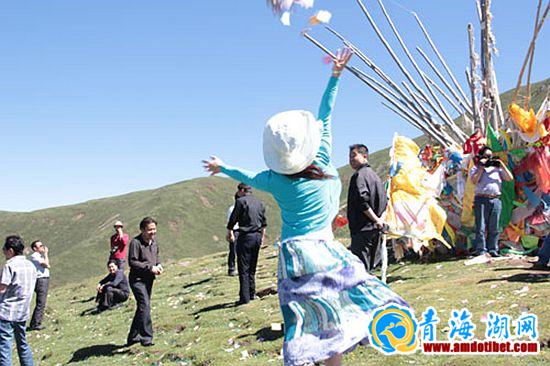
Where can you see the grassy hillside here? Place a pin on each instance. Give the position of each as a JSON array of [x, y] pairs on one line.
[[191, 217], [196, 322]]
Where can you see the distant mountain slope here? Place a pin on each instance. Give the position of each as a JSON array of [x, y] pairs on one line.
[[191, 215]]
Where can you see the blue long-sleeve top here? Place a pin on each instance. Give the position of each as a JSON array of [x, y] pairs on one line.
[[306, 205]]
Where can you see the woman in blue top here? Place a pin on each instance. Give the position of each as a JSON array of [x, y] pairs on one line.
[[325, 294]]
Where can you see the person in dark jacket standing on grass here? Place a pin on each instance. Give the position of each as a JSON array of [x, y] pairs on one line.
[[232, 240], [367, 202], [144, 262], [113, 289], [249, 213]]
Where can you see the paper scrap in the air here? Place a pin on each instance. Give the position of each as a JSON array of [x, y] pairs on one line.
[[322, 16], [285, 18]]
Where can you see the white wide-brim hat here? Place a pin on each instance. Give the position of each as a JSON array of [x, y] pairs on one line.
[[291, 141]]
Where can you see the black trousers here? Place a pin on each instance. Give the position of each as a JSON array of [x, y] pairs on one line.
[[366, 246], [41, 289], [142, 325], [232, 253], [248, 249], [110, 297]]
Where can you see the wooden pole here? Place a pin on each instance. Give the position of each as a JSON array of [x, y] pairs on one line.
[[378, 71], [446, 96], [528, 90], [531, 46], [396, 58], [471, 77], [436, 51], [491, 107], [430, 126], [439, 108], [463, 103]]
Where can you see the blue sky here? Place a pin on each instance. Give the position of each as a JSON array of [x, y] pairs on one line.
[[100, 98]]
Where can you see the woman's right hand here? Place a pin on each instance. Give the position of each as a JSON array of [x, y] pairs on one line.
[[213, 166], [342, 58]]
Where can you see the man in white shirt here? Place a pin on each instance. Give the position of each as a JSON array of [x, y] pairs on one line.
[[41, 261], [17, 281]]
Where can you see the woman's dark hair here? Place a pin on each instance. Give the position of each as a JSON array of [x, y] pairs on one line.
[[237, 196], [146, 221], [483, 150], [112, 261], [16, 243], [312, 172], [244, 187]]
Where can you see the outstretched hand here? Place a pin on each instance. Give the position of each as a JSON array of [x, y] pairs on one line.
[[213, 166], [341, 60]]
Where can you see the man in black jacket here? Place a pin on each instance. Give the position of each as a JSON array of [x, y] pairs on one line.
[[113, 289], [367, 202], [145, 265], [249, 213]]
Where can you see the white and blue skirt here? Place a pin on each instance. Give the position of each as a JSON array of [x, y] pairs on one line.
[[326, 297]]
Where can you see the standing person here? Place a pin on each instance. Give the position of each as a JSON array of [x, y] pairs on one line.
[[544, 255], [367, 202], [113, 289], [325, 294], [232, 240], [249, 214], [41, 261], [144, 262], [119, 245], [16, 289], [487, 174]]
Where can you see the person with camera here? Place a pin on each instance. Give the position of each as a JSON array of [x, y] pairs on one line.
[[487, 174]]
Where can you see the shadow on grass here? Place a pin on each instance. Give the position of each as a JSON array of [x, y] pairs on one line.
[[90, 311], [265, 334], [83, 301], [226, 305], [391, 279], [197, 283], [521, 277], [99, 350]]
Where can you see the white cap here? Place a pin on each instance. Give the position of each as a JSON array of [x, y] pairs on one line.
[[291, 141]]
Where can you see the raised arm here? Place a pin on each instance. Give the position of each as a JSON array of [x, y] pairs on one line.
[[261, 181], [327, 105]]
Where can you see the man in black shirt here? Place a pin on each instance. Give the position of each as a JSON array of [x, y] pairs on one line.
[[367, 202], [113, 289], [145, 265], [249, 213]]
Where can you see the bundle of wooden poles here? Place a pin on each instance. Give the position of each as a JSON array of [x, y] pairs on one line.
[[420, 100]]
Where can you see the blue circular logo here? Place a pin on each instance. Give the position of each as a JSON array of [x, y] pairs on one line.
[[393, 330]]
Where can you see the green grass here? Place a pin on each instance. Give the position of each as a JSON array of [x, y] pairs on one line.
[[196, 324]]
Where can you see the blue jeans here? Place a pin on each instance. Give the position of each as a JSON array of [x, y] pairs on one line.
[[7, 331], [544, 252], [487, 215]]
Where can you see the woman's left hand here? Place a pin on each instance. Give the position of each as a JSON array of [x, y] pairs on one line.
[[341, 60], [213, 165]]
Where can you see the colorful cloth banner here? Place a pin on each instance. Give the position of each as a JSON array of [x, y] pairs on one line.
[[413, 210], [508, 194]]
